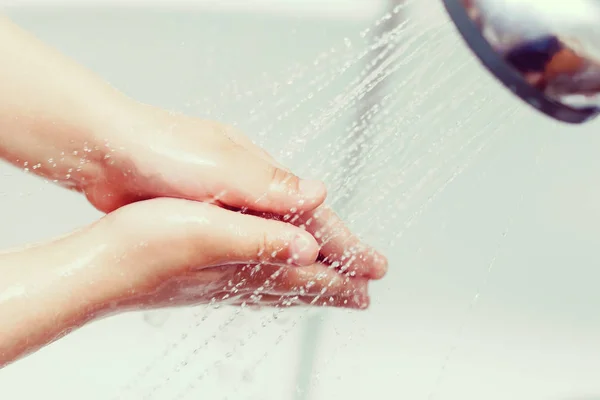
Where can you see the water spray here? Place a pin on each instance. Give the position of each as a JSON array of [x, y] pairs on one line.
[[545, 52]]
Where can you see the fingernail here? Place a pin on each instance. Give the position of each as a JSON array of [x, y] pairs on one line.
[[310, 189], [303, 253]]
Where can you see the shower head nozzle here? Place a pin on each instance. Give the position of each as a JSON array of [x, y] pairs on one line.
[[546, 52]]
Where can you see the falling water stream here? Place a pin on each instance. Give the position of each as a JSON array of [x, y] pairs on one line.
[[418, 119], [387, 122]]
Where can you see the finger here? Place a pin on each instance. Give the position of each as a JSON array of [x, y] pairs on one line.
[[244, 141], [338, 244], [259, 185], [191, 289], [262, 300], [180, 235], [247, 238], [340, 247], [339, 301], [317, 279]]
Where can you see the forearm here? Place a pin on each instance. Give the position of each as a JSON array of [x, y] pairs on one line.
[[47, 291], [57, 119]]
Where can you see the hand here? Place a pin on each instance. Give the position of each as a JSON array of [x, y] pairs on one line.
[[162, 253], [61, 121], [195, 253], [162, 154]]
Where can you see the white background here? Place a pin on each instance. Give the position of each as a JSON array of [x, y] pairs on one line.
[[534, 332]]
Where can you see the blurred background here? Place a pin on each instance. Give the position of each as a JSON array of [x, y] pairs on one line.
[[487, 211]]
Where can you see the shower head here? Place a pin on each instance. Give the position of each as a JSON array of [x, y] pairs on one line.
[[546, 52]]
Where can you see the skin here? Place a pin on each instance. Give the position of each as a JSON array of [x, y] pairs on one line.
[[195, 211]]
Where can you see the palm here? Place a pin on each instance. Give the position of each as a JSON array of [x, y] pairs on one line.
[[257, 285]]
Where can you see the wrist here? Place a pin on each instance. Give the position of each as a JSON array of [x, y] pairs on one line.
[[69, 147], [95, 150], [48, 290]]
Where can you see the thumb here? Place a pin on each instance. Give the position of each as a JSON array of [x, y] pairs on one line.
[[260, 185], [181, 235], [243, 238]]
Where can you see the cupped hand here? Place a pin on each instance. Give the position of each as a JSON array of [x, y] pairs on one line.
[[162, 253], [163, 154], [170, 252]]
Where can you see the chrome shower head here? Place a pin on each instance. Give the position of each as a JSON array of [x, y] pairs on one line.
[[547, 52]]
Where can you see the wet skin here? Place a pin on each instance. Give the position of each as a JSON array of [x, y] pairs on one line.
[[195, 212]]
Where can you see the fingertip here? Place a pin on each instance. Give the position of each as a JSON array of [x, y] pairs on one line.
[[379, 266], [304, 249], [364, 303], [311, 193], [370, 264], [378, 273], [288, 196]]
